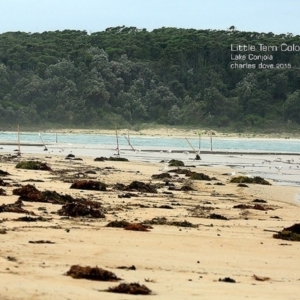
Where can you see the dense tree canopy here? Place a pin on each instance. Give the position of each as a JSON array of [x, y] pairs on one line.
[[126, 76]]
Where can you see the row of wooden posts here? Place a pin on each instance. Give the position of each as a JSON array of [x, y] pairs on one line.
[[128, 141], [196, 152]]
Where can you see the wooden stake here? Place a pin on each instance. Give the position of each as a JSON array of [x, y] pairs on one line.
[[45, 149], [199, 134], [191, 146], [19, 149], [118, 150], [127, 138]]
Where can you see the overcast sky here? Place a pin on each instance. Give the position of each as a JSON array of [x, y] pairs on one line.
[[277, 16]]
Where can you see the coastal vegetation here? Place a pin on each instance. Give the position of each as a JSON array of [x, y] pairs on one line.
[[126, 77]]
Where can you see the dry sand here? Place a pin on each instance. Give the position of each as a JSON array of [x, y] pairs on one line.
[[175, 262]]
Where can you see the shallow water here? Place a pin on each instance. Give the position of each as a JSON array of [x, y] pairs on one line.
[[283, 168], [158, 143]]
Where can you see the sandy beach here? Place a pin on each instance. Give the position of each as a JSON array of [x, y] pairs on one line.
[[194, 244]]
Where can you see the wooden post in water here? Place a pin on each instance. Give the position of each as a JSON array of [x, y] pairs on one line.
[[197, 154], [45, 148], [199, 134], [128, 141], [211, 145], [19, 148], [118, 149]]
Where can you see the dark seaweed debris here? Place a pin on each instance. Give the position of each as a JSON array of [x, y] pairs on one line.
[[199, 176], [91, 273], [4, 173], [217, 217], [138, 186], [110, 158], [291, 233], [89, 185], [117, 159], [130, 288], [87, 208], [191, 174], [166, 206], [118, 224], [15, 208], [227, 279], [54, 197], [133, 268], [259, 201], [164, 221], [246, 179], [100, 158], [136, 227], [41, 242], [31, 193], [127, 195], [176, 163], [161, 176], [32, 219], [242, 185], [33, 165], [255, 206]]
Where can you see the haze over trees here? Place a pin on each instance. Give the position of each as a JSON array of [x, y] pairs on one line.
[[125, 76]]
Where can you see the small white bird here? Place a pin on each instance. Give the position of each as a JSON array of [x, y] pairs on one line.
[[165, 168]]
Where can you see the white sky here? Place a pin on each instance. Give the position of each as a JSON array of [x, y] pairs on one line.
[[277, 16]]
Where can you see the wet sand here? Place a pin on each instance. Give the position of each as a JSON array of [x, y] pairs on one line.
[[175, 262]]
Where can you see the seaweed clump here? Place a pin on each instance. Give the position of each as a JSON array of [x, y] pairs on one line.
[[117, 159], [4, 173], [291, 233], [118, 224], [92, 273], [164, 221], [87, 208], [136, 227], [199, 176], [33, 165], [191, 174], [138, 186], [217, 217], [176, 163], [161, 176], [15, 208], [130, 288], [111, 158], [227, 279], [246, 179], [89, 185], [31, 193]]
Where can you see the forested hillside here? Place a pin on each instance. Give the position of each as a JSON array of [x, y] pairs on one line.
[[125, 76]]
